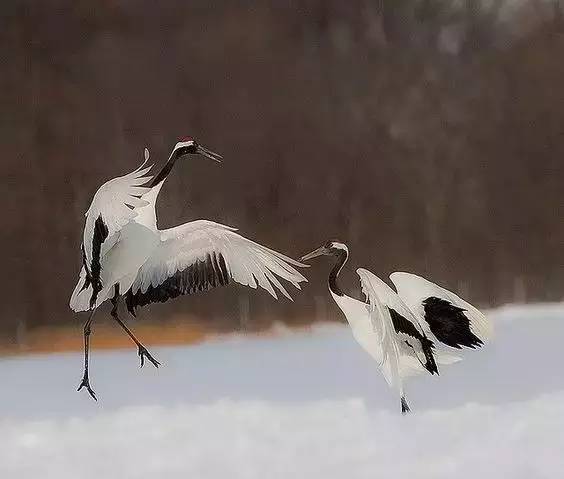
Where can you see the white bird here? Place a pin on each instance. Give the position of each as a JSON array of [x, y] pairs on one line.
[[125, 254], [410, 331]]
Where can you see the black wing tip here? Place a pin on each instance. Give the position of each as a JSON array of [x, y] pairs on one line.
[[430, 363], [85, 285], [404, 406], [101, 226], [403, 325], [100, 234], [449, 324], [200, 276], [431, 366], [475, 344], [471, 341]]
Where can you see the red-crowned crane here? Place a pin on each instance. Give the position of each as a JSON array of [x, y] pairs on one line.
[[124, 254], [403, 331]]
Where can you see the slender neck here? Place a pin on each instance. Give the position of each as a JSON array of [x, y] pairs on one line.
[[165, 170], [342, 257]]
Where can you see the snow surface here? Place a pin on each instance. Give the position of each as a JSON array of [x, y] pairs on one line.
[[299, 405]]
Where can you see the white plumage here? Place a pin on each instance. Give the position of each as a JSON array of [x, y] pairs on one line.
[[408, 332], [247, 262], [125, 254], [414, 290], [146, 256], [116, 202]]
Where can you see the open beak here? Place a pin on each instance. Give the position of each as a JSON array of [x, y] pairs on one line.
[[314, 254], [209, 154]]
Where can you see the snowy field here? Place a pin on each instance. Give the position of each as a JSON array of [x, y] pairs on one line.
[[299, 405]]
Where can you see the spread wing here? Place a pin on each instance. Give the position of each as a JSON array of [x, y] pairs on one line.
[[201, 255], [449, 318], [113, 206], [409, 335]]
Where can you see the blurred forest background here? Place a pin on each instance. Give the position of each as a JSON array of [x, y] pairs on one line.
[[427, 134]]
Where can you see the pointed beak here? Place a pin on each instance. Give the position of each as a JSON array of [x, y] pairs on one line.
[[314, 254], [209, 154]]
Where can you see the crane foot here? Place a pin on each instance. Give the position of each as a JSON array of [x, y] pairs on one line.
[[85, 383], [143, 353]]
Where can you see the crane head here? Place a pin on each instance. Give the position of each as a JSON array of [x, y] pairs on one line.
[[329, 248], [189, 146]]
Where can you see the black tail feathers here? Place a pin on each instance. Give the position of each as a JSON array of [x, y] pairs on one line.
[[430, 363], [404, 406]]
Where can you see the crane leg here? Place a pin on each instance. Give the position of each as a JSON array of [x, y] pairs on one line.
[[141, 350], [85, 383]]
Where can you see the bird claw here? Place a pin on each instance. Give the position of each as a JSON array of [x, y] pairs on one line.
[[85, 383], [143, 353]]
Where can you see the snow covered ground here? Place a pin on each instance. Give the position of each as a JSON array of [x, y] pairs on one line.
[[300, 405]]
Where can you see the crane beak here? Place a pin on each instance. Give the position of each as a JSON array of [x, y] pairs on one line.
[[314, 254], [209, 154]]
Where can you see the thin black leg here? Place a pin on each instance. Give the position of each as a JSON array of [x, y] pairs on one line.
[[85, 380], [141, 350]]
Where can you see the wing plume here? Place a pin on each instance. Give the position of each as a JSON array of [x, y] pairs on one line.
[[453, 321], [202, 255], [114, 205]]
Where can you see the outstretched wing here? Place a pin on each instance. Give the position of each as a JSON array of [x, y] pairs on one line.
[[201, 255], [113, 206], [449, 318]]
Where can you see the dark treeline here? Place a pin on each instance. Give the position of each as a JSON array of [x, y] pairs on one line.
[[428, 137]]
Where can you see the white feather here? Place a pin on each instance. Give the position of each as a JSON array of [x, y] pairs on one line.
[[414, 289], [247, 262], [382, 323], [116, 201], [137, 255]]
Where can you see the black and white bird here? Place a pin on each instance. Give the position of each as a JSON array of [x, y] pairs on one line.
[[124, 254], [408, 332]]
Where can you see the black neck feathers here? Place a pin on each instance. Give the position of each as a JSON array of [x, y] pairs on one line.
[[342, 257], [166, 169]]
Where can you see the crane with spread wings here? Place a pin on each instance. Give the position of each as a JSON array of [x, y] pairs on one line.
[[410, 331], [125, 255]]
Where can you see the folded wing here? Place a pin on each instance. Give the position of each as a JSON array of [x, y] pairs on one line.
[[381, 320], [201, 255]]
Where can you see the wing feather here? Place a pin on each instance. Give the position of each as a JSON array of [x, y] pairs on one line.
[[115, 203], [382, 323], [453, 321], [201, 255]]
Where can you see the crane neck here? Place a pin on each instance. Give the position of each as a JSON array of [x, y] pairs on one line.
[[342, 257], [165, 170]]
